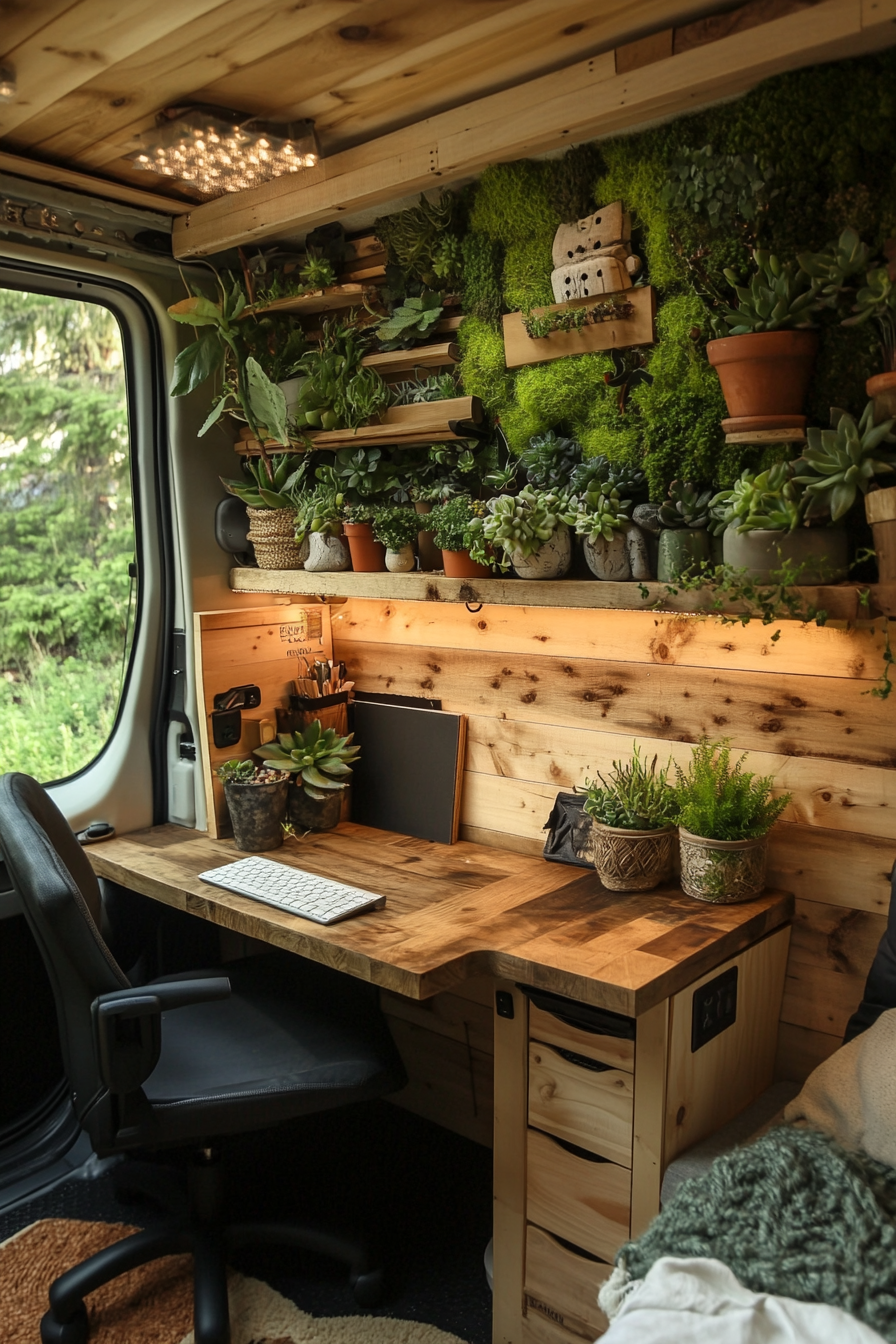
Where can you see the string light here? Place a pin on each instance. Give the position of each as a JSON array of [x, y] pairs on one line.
[[216, 155]]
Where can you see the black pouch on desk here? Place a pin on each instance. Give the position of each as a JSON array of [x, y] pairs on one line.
[[569, 832]]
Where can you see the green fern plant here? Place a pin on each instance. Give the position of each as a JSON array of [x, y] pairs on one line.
[[719, 800]]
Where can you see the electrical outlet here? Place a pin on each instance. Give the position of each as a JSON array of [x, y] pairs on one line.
[[714, 1008]]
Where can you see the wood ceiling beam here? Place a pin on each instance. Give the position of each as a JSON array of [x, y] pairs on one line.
[[583, 101], [90, 186]]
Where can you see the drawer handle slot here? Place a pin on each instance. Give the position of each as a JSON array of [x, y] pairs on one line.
[[582, 1061], [597, 1021], [575, 1150]]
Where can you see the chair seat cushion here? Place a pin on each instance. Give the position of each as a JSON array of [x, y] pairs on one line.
[[293, 1038]]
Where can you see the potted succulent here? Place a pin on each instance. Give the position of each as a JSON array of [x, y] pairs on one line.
[[530, 532], [550, 460], [764, 358], [634, 815], [256, 799], [615, 549], [760, 521], [318, 524], [725, 815], [396, 528], [456, 525], [266, 492], [320, 762], [684, 537]]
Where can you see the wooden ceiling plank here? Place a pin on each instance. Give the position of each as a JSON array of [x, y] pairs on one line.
[[124, 99], [90, 186], [21, 19], [85, 40], [581, 102]]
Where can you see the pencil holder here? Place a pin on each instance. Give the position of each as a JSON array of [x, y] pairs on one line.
[[332, 710]]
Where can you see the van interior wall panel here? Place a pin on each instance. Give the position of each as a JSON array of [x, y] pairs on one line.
[[555, 695]]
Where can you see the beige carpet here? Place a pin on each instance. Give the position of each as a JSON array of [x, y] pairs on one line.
[[154, 1304]]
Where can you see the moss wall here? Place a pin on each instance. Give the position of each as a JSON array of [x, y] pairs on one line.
[[827, 136]]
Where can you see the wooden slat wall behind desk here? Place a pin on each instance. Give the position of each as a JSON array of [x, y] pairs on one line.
[[554, 695]]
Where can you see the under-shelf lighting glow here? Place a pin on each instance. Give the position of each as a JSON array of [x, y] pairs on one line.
[[215, 155], [8, 86]]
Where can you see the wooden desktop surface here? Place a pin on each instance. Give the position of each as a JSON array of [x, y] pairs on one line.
[[455, 911]]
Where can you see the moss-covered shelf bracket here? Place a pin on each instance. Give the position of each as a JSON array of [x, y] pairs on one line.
[[454, 420], [635, 326]]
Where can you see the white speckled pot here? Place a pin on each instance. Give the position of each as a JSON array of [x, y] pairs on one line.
[[609, 560], [326, 554], [399, 562], [551, 561]]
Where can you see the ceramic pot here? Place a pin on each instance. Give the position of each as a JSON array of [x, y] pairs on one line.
[[326, 554], [765, 377], [368, 554], [551, 561], [722, 871], [427, 550], [608, 560], [256, 812], [290, 388], [638, 553], [821, 554], [459, 565], [882, 391], [400, 562], [880, 510], [632, 860], [680, 549], [272, 534], [314, 814]]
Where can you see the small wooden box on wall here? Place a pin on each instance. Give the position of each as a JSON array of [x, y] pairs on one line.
[[617, 333]]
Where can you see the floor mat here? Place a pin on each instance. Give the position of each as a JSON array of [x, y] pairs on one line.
[[154, 1304]]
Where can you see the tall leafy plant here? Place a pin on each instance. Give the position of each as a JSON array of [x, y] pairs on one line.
[[720, 800]]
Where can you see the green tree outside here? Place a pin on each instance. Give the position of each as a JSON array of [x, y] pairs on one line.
[[66, 531]]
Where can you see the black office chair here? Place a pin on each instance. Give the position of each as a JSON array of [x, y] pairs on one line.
[[185, 1061]]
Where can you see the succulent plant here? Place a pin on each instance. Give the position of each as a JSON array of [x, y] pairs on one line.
[[320, 509], [686, 506], [320, 759], [247, 772], [628, 481], [266, 489], [759, 500], [839, 462], [522, 523], [410, 322], [635, 797], [836, 265], [780, 296], [600, 512], [550, 460]]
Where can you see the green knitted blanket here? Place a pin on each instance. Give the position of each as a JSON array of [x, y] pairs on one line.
[[792, 1214]]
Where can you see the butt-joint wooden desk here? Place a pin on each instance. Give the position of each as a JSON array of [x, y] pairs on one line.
[[588, 1112]]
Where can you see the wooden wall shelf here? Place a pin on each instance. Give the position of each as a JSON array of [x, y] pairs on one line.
[[840, 601], [520, 348], [327, 300], [423, 422], [392, 362]]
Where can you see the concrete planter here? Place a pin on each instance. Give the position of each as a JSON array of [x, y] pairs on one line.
[[400, 562], [608, 560], [821, 554], [551, 561], [681, 549], [256, 812], [326, 554]]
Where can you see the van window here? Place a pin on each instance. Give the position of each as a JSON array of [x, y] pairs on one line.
[[66, 532]]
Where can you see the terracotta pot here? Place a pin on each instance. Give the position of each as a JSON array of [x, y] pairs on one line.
[[882, 391], [820, 553], [314, 814], [368, 555], [880, 510], [632, 860], [765, 377], [680, 549], [256, 811], [427, 550], [458, 565], [722, 871]]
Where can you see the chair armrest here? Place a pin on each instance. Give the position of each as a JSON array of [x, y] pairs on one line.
[[128, 1026]]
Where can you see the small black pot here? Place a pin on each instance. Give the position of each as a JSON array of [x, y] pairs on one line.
[[257, 812], [314, 814]]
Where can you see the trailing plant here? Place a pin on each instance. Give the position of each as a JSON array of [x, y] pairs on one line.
[[686, 506], [769, 500], [395, 527], [719, 800], [780, 296], [600, 512], [721, 188], [521, 524], [550, 459], [318, 758], [269, 484], [738, 599], [635, 797], [456, 523], [247, 772], [410, 322], [840, 462]]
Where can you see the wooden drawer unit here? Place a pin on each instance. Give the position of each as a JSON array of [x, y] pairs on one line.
[[581, 1199], [554, 1030], [562, 1287], [578, 1099]]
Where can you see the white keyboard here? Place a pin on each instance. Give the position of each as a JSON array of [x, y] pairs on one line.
[[293, 890]]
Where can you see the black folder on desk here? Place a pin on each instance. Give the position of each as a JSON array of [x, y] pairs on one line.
[[408, 775]]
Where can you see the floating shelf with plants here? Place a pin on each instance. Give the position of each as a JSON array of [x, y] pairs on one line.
[[612, 322], [330, 300], [391, 363], [423, 422]]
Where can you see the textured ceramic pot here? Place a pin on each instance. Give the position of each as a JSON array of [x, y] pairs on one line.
[[880, 510], [400, 562], [256, 813], [632, 860], [638, 553], [551, 561], [326, 554], [272, 534], [820, 554], [882, 391], [314, 814], [608, 560], [723, 872], [459, 565], [765, 377], [680, 549], [368, 554]]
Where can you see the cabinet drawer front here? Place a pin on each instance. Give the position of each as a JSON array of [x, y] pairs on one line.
[[563, 1286], [587, 1203], [607, 1049], [590, 1107]]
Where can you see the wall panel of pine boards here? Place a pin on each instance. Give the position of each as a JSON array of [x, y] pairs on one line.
[[554, 695]]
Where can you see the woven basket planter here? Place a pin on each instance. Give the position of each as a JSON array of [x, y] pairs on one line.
[[723, 871], [272, 534], [632, 860]]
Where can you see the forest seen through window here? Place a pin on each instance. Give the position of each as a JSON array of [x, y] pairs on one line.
[[66, 532]]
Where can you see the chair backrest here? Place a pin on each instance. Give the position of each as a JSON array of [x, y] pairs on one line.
[[61, 898]]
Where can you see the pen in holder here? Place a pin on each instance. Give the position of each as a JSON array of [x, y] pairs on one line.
[[332, 710]]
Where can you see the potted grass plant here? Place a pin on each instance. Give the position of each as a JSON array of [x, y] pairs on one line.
[[320, 763], [396, 528], [725, 815], [456, 525], [634, 813], [256, 799]]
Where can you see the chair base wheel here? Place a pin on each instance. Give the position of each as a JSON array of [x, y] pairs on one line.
[[74, 1331], [368, 1288]]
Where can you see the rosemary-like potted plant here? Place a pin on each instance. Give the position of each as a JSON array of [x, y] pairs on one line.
[[684, 539], [266, 490], [634, 815], [456, 524], [529, 532], [725, 815], [396, 528], [320, 762], [256, 799]]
